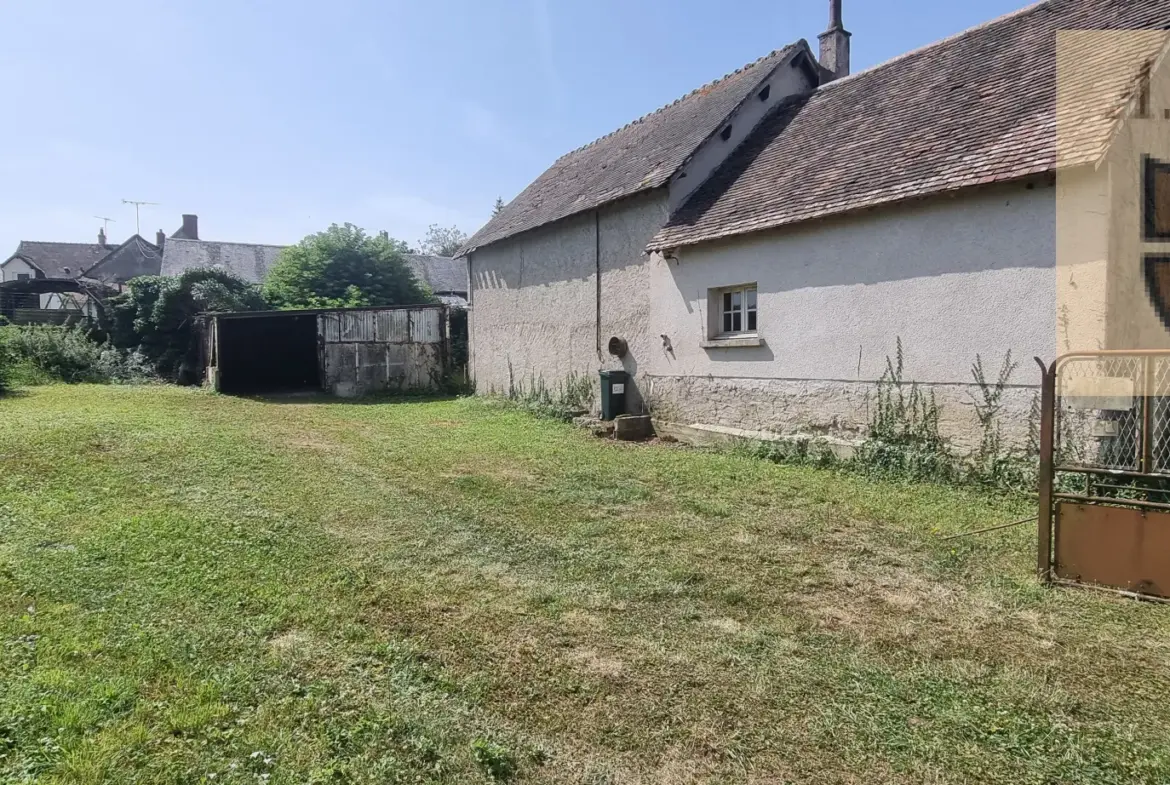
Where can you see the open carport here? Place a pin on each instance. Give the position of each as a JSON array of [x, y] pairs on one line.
[[346, 352]]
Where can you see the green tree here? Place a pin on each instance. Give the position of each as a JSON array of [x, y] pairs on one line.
[[498, 207], [442, 240], [157, 315], [343, 267]]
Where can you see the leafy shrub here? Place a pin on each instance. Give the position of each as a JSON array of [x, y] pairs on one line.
[[40, 353], [343, 267], [460, 337], [5, 368], [157, 316]]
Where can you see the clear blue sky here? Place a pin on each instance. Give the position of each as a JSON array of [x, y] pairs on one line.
[[273, 119]]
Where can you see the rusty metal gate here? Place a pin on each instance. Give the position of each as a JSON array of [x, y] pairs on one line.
[[1105, 471]]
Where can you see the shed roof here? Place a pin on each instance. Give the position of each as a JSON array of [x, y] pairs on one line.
[[637, 157], [975, 109]]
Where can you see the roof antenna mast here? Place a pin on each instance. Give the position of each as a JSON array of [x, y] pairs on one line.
[[137, 205], [105, 222]]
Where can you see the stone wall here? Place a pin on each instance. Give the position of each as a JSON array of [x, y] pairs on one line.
[[840, 410]]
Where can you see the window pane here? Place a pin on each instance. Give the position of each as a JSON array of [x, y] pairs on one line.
[[737, 322], [736, 300], [749, 296], [1162, 201], [727, 322], [726, 301], [751, 320]]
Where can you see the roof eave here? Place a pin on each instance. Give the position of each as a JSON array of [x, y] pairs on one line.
[[672, 245], [26, 260]]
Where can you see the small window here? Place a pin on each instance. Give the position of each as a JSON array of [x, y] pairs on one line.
[[737, 310], [1156, 199], [767, 91], [726, 133]]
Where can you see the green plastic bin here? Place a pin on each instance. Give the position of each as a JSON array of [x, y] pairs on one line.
[[613, 393]]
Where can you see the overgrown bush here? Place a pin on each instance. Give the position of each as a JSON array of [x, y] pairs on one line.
[[343, 267], [5, 367], [460, 337], [157, 316], [42, 353]]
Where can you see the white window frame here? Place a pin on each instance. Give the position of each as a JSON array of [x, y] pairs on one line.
[[728, 313]]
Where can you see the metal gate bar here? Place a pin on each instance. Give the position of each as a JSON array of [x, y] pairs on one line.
[[1106, 416]]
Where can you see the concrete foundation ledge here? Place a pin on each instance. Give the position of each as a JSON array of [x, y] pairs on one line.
[[700, 435], [632, 427]]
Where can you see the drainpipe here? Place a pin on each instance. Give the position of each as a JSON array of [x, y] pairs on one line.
[[597, 268], [469, 375]]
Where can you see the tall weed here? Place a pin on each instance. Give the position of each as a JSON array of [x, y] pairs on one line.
[[571, 396], [904, 441], [36, 354]]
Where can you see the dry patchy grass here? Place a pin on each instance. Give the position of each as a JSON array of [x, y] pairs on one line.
[[305, 591]]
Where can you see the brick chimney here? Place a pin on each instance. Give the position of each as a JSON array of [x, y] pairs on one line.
[[160, 237], [835, 43], [102, 237], [190, 228]]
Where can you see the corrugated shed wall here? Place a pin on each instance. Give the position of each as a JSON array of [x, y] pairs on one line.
[[388, 350]]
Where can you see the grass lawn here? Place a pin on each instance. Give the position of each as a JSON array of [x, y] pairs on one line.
[[196, 588]]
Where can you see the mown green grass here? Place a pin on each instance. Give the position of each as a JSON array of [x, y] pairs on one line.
[[196, 588]]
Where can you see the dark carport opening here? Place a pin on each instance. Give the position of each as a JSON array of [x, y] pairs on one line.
[[269, 353]]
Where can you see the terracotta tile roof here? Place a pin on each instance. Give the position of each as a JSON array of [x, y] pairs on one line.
[[974, 109], [638, 157]]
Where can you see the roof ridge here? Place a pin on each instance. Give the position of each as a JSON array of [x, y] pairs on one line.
[[1028, 9], [59, 242], [679, 100], [219, 242]]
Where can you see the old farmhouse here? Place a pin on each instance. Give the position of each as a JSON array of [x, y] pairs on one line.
[[762, 243]]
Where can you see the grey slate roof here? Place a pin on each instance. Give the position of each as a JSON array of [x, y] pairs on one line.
[[53, 259], [131, 259], [974, 109], [443, 274], [639, 157], [248, 261]]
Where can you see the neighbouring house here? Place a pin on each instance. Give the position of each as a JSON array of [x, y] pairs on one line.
[[67, 276], [446, 277], [134, 258], [183, 250], [761, 244]]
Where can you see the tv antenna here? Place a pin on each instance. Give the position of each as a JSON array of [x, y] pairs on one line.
[[105, 223], [137, 205]]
